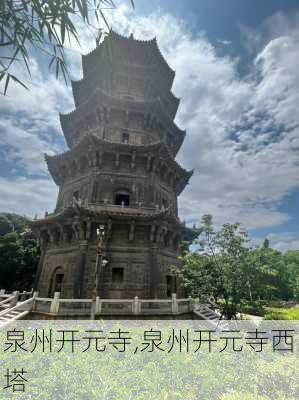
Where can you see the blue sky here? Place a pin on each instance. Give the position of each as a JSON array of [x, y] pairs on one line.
[[237, 76]]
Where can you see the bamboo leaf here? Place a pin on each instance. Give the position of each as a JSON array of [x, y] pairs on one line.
[[57, 68], [52, 60], [104, 18], [19, 82], [62, 29], [6, 83]]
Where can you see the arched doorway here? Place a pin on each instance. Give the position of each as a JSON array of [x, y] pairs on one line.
[[56, 281]]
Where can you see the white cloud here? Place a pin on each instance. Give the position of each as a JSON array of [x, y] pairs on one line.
[[39, 105], [30, 120], [25, 147], [240, 180], [283, 241], [29, 127], [242, 134], [277, 25], [27, 196]]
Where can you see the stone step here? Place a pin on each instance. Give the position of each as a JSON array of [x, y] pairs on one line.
[[4, 319], [11, 314], [205, 312], [14, 312]]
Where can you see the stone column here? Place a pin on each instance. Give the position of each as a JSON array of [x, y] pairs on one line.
[[14, 301], [43, 247], [98, 306], [148, 162], [100, 158], [154, 271], [54, 308], [174, 304], [136, 305], [132, 231], [117, 159], [133, 159], [79, 271]]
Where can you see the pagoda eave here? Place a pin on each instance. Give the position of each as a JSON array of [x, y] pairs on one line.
[[69, 122], [90, 142], [99, 212], [54, 170]]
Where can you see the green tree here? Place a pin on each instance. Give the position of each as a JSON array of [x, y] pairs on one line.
[[19, 253], [11, 256], [277, 278], [44, 26], [226, 266], [199, 276], [292, 264], [12, 222], [223, 266]]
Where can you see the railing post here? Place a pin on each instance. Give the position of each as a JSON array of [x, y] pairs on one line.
[[14, 301], [54, 308], [190, 303], [174, 304], [2, 291], [34, 296], [98, 306], [136, 305]]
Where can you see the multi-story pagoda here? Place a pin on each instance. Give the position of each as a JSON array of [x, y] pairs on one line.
[[115, 231]]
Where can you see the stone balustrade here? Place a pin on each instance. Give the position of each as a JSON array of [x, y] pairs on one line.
[[60, 307]]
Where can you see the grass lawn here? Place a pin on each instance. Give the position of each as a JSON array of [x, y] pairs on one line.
[[281, 313]]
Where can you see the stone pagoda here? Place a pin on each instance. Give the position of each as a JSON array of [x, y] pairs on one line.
[[115, 231]]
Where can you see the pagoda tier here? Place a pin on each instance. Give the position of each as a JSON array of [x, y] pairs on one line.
[[79, 221], [94, 154], [130, 51], [134, 88], [159, 231], [102, 110], [121, 57]]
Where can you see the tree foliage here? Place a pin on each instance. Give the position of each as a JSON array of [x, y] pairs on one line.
[[12, 222], [19, 253], [45, 26], [227, 267]]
